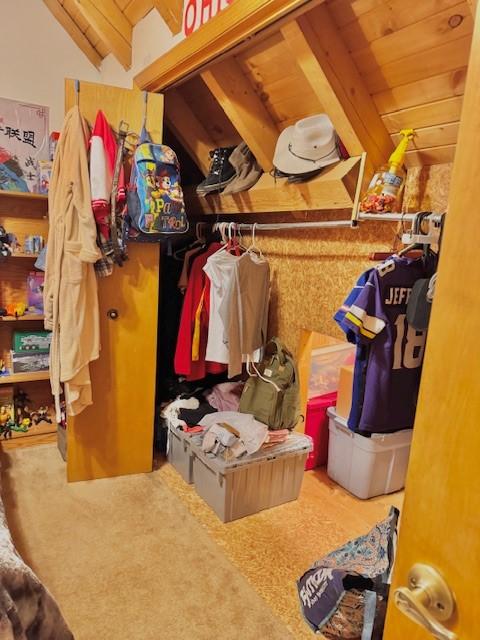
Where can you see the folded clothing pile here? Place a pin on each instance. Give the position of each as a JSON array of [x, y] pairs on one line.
[[276, 437], [231, 434]]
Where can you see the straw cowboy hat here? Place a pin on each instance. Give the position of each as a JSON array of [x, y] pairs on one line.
[[307, 146]]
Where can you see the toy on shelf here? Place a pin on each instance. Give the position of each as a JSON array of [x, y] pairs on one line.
[[6, 411], [5, 248], [32, 245], [3, 368], [41, 415], [16, 309], [35, 283]]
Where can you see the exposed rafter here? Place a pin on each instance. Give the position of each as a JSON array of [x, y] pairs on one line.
[[329, 69], [111, 25], [188, 129], [73, 31], [172, 12], [244, 109]]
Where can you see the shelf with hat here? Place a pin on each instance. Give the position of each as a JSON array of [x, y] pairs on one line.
[[311, 171]]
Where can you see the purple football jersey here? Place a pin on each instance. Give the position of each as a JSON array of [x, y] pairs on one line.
[[378, 317]]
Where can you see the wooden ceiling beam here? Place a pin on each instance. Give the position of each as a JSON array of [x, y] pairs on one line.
[[113, 28], [243, 108], [228, 29], [172, 12], [323, 57], [74, 32], [137, 9], [188, 129]]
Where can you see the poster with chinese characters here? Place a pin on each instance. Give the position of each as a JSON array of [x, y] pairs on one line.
[[23, 143]]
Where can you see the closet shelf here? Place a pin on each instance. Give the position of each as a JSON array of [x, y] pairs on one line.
[[20, 254], [30, 376], [334, 188], [23, 205], [23, 195], [25, 318]]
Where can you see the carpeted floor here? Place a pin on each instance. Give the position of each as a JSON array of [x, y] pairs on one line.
[[126, 559]]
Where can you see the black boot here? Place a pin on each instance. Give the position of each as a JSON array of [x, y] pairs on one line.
[[221, 171]]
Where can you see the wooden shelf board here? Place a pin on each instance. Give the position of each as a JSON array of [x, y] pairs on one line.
[[29, 440], [14, 205], [31, 376], [334, 188], [24, 195], [20, 254], [25, 318]]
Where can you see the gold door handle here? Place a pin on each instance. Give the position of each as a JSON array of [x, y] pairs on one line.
[[427, 600]]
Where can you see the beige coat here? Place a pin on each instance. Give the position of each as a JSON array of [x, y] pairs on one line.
[[70, 294]]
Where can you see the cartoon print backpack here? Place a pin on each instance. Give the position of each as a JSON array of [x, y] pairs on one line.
[[155, 203]]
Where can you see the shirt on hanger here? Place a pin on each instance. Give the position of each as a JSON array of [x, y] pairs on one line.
[[187, 260], [194, 370], [378, 318], [219, 269], [361, 354], [244, 309]]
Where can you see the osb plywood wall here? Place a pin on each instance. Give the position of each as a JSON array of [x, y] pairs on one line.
[[313, 270]]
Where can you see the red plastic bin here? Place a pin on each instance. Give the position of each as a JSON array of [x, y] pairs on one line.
[[316, 426]]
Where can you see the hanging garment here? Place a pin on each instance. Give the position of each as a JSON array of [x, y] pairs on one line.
[[219, 269], [244, 310], [378, 318], [187, 262], [103, 150], [361, 354], [70, 292], [195, 370], [238, 308]]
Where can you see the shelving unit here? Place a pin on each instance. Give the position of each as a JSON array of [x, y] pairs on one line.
[[33, 376], [28, 317], [20, 254], [23, 214]]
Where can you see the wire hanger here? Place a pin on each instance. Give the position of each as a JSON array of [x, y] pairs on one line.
[[253, 247]]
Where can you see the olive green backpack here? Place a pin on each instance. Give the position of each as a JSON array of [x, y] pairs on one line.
[[272, 392]]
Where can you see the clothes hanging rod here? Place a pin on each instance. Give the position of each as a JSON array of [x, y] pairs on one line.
[[395, 217], [326, 224], [284, 226]]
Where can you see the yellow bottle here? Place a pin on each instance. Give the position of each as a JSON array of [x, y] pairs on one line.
[[385, 188]]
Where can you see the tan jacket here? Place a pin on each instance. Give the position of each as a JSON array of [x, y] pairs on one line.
[[70, 294]]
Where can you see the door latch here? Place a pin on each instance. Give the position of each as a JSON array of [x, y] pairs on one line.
[[427, 600]]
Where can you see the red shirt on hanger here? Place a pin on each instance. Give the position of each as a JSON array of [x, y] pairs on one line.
[[195, 370]]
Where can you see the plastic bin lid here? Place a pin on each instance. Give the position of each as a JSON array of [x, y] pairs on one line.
[[325, 400], [294, 444], [391, 439]]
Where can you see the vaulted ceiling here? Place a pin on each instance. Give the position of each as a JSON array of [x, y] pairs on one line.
[[100, 27]]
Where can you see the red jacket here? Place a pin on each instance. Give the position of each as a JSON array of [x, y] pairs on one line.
[[195, 370]]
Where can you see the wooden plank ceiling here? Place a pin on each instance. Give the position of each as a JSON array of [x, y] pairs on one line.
[[375, 66], [101, 27]]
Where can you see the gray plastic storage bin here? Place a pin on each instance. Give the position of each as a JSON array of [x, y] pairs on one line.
[[179, 452], [239, 488], [367, 467]]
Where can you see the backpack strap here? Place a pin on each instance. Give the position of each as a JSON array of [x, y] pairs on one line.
[[144, 136], [279, 348]]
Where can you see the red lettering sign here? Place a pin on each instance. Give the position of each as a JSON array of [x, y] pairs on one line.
[[198, 12]]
